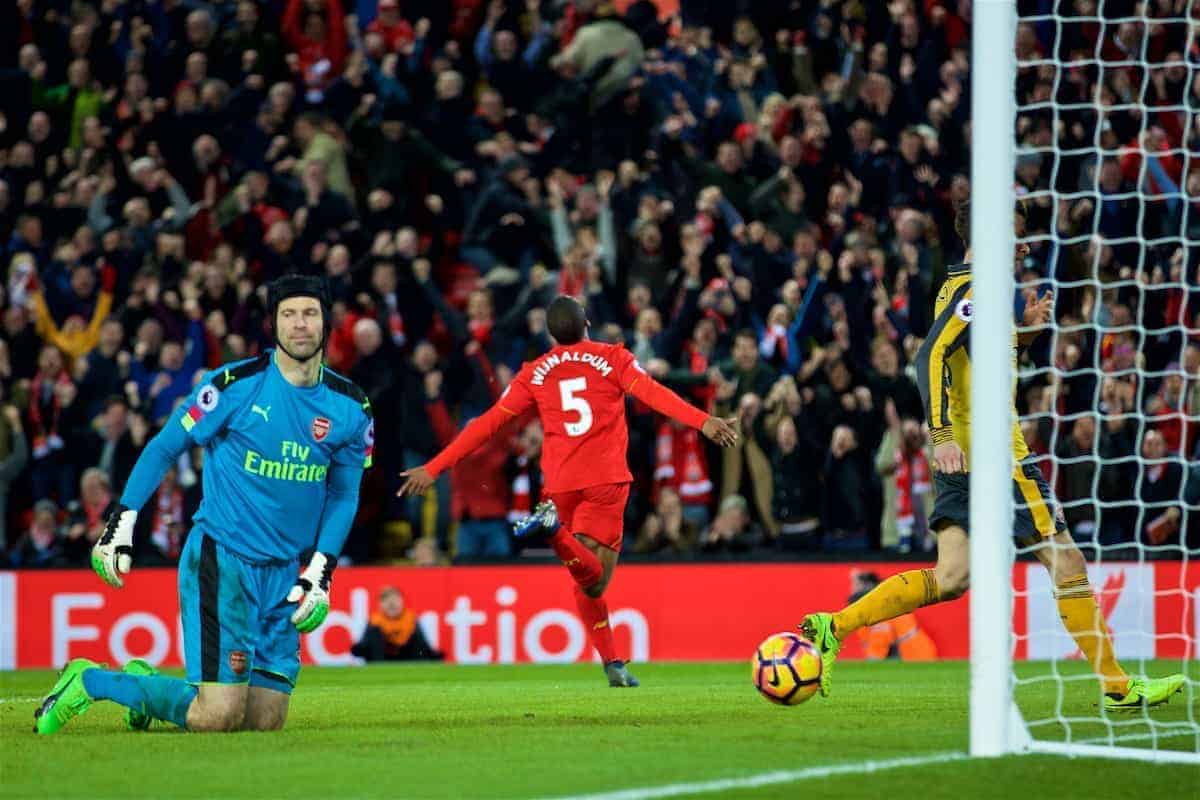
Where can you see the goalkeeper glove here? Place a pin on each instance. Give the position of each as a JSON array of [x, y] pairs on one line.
[[312, 592], [112, 555]]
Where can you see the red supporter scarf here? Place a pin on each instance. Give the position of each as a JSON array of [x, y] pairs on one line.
[[571, 282], [95, 513], [37, 423], [168, 509], [912, 473], [480, 331], [521, 504], [698, 364], [680, 464], [774, 340]]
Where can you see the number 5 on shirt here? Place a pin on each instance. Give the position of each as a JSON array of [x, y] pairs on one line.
[[569, 390]]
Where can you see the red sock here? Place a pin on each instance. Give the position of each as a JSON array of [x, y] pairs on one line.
[[581, 562], [594, 613]]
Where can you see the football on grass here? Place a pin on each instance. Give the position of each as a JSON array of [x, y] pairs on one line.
[[786, 669]]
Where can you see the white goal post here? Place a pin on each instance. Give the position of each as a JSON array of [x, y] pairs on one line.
[[997, 726], [993, 116]]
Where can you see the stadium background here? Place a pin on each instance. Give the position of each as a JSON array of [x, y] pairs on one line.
[[756, 197]]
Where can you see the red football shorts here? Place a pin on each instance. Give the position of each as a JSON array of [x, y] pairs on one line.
[[597, 512]]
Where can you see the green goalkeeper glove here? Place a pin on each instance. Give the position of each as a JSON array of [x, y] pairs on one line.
[[312, 593], [112, 555]]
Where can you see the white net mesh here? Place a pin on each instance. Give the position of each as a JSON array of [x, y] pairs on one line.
[[1108, 162]]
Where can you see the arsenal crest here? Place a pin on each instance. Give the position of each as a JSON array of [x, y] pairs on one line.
[[320, 429]]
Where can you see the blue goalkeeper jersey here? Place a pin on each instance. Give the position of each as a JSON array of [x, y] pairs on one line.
[[282, 463]]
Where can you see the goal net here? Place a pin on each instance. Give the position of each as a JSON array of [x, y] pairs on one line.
[[1101, 143]]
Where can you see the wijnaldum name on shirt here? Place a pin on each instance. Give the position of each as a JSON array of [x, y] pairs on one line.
[[550, 362]]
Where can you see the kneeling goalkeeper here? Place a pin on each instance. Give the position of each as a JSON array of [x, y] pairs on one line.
[[285, 444]]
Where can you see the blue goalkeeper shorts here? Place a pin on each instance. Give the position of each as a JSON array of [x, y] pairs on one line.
[[237, 624]]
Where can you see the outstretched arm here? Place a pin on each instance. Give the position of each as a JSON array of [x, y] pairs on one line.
[[666, 402], [515, 402], [477, 432]]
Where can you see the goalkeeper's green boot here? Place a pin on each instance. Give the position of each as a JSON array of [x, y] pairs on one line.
[[818, 629], [67, 700], [1145, 692], [136, 720]]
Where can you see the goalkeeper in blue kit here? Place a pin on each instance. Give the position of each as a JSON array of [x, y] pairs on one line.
[[285, 443]]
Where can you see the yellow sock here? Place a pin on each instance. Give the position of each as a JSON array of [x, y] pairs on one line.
[[1083, 620], [897, 595]]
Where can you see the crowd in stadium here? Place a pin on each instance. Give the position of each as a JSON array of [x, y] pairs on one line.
[[757, 197]]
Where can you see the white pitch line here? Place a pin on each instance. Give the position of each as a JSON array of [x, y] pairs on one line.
[[766, 778], [20, 699]]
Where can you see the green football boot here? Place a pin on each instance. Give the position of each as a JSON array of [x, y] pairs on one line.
[[67, 700], [1145, 692], [818, 629], [136, 720]]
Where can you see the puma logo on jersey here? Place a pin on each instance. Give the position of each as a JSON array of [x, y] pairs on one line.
[[257, 409]]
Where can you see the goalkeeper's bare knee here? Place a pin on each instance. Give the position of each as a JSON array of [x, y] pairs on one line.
[[218, 711]]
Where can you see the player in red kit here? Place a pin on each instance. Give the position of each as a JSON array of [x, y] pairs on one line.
[[579, 390]]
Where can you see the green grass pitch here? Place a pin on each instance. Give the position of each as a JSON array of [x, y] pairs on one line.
[[395, 731]]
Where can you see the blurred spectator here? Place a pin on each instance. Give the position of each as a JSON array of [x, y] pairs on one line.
[[504, 227], [903, 464], [16, 456], [748, 381], [666, 529], [731, 530], [41, 545], [1170, 414], [54, 417], [316, 34], [1191, 369], [77, 336], [784, 432], [422, 386], [847, 483], [681, 467], [1161, 492], [106, 368], [319, 149], [86, 516], [1118, 467], [1076, 476], [605, 36], [172, 506], [116, 440], [525, 472], [395, 29], [394, 633]]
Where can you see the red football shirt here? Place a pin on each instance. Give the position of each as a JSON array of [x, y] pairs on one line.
[[579, 391]]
